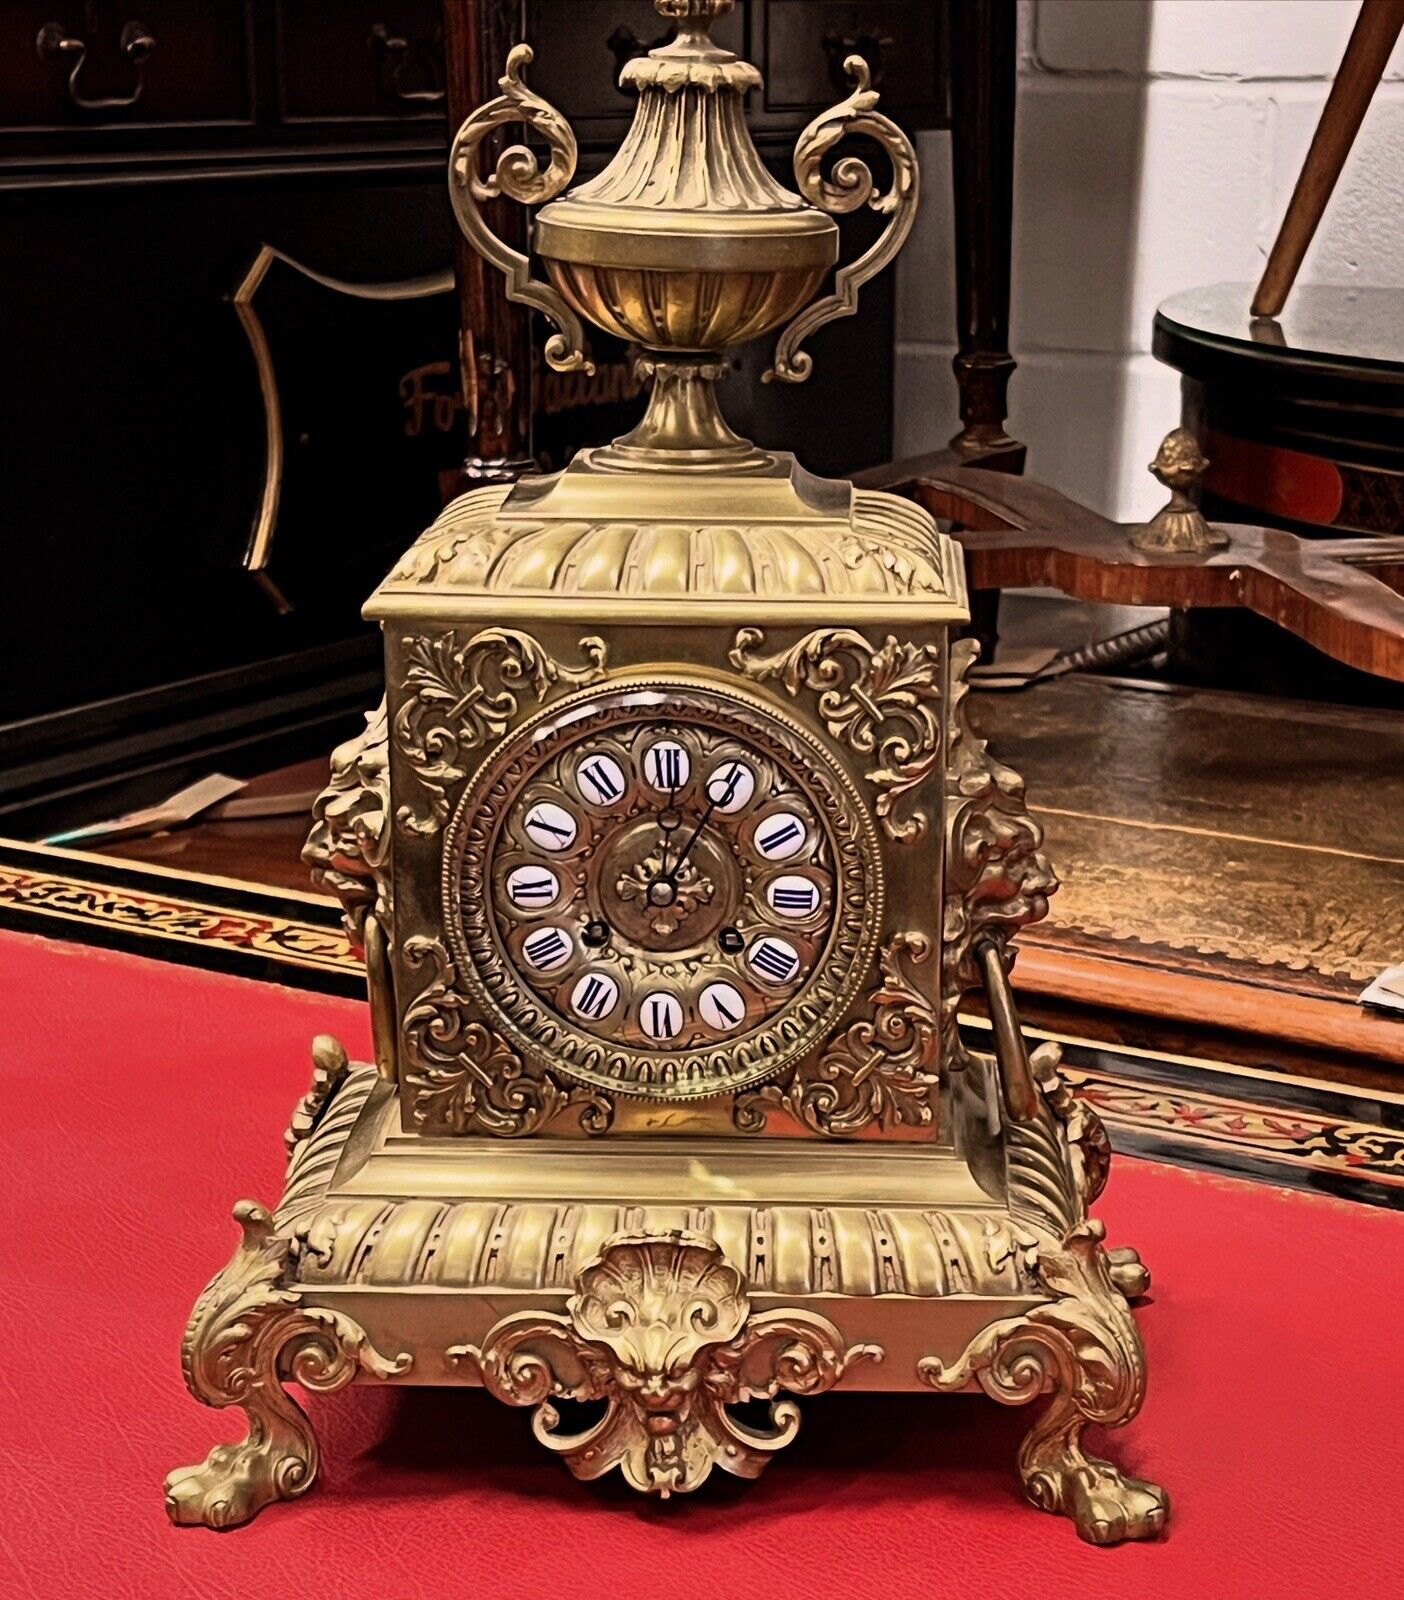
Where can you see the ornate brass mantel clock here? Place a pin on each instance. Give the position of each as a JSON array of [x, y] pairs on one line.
[[672, 857]]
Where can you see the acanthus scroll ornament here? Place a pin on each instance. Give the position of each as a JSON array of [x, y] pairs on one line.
[[883, 701], [465, 1078], [461, 695], [249, 1331], [661, 1330], [849, 186], [878, 1071]]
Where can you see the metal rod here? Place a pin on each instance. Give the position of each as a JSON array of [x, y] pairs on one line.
[[1021, 1096]]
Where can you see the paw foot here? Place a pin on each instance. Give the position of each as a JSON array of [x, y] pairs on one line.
[[1129, 1273], [233, 1484], [1105, 1506]]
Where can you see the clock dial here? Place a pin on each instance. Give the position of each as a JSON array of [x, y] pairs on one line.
[[666, 889]]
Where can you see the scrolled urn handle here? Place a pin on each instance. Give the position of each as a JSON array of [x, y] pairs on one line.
[[518, 176], [849, 186]]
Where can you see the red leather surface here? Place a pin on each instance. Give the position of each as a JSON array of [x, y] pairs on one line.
[[142, 1099]]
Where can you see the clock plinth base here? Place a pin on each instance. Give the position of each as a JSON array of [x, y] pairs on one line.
[[874, 1273]]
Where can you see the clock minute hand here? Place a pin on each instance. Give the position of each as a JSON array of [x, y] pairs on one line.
[[713, 801], [672, 876]]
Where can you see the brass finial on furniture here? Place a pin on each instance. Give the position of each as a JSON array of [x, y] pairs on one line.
[[1179, 527]]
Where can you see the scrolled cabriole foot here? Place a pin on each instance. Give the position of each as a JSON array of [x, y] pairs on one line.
[[250, 1330], [1082, 1349], [236, 1481], [1105, 1506]]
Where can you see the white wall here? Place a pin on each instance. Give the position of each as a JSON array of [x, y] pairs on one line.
[[1157, 145]]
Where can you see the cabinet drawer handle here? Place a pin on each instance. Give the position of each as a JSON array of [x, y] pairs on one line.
[[395, 54], [135, 42]]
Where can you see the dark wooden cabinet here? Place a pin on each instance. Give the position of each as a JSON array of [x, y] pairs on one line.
[[148, 150], [359, 61], [805, 43], [78, 70]]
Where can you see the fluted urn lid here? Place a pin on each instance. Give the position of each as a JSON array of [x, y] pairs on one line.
[[687, 188]]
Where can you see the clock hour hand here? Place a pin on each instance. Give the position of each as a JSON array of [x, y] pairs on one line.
[[668, 829]]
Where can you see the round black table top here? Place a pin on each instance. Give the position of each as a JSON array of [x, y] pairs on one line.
[[1355, 333]]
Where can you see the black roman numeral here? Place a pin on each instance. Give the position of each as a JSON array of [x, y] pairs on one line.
[[594, 998], [794, 899], [728, 1017], [545, 946], [667, 767], [779, 836], [662, 1023], [729, 787], [773, 961], [600, 781], [525, 891], [540, 825]]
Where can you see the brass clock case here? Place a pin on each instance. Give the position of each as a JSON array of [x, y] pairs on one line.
[[476, 851], [836, 1179]]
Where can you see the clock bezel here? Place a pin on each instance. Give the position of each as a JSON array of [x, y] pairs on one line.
[[530, 1024]]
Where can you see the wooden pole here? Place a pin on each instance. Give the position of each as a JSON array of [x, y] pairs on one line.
[[494, 334], [1366, 56], [983, 51]]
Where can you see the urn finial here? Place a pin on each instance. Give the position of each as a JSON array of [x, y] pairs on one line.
[[685, 244]]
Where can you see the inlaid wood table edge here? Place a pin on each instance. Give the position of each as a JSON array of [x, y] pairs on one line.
[[1197, 1111], [1261, 1003], [1340, 595]]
